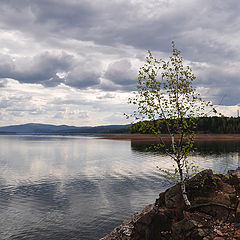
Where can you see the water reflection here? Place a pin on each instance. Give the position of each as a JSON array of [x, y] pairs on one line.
[[202, 148], [55, 187], [70, 187], [218, 148], [218, 155]]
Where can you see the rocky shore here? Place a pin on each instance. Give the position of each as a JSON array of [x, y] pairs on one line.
[[214, 212]]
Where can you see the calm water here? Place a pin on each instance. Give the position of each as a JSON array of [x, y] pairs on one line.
[[54, 187]]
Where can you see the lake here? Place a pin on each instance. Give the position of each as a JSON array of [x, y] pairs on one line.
[[64, 187]]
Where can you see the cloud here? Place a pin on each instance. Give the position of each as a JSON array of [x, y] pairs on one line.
[[222, 82], [151, 24], [72, 114], [38, 69], [107, 95], [121, 73], [84, 75], [53, 47], [4, 103], [51, 69], [3, 83]]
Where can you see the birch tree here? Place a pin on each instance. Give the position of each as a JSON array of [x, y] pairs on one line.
[[166, 95]]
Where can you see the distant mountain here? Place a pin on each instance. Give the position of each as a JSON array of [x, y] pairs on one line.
[[37, 128]]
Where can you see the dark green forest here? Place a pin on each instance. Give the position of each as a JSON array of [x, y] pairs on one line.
[[204, 125]]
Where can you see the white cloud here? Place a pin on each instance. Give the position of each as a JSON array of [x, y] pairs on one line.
[[65, 60]]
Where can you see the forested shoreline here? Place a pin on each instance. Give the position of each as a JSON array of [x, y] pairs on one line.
[[204, 125]]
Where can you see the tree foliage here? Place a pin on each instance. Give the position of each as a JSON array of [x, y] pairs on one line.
[[166, 96], [203, 125]]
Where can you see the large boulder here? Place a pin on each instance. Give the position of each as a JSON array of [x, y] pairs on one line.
[[214, 212]]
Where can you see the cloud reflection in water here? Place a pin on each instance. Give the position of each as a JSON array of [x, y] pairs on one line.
[[75, 187]]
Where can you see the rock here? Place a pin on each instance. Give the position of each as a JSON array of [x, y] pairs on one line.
[[161, 223], [237, 234], [214, 212], [212, 194], [136, 227], [206, 187], [193, 226], [238, 211], [219, 233], [173, 197]]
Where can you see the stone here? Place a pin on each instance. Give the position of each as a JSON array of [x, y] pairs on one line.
[[193, 226], [237, 234], [219, 233], [198, 234], [214, 213], [238, 211], [173, 197], [160, 223]]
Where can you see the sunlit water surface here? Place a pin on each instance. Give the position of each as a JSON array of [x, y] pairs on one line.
[[54, 187]]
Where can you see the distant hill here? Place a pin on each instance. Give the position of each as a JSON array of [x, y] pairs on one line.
[[37, 128]]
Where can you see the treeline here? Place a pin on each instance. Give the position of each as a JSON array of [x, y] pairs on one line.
[[204, 125], [100, 129]]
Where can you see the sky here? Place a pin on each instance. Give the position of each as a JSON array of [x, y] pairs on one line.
[[76, 62]]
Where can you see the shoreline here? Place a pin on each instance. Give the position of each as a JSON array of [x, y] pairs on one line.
[[153, 138]]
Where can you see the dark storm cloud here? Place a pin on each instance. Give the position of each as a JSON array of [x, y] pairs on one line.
[[206, 32]]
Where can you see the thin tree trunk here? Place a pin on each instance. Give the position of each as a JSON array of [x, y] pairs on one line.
[[238, 157], [183, 186], [184, 194]]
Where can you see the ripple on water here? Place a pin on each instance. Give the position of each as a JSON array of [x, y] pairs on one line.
[[80, 188]]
